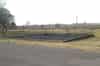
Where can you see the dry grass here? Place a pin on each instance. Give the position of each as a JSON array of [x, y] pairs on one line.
[[97, 33], [92, 44], [88, 45], [49, 31]]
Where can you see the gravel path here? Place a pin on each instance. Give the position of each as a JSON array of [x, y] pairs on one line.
[[17, 55]]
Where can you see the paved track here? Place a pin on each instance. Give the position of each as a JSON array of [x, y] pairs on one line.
[[15, 55], [64, 37]]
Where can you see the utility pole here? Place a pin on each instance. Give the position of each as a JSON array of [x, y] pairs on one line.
[[76, 23], [76, 19]]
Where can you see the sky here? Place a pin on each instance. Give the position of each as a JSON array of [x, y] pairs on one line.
[[54, 11]]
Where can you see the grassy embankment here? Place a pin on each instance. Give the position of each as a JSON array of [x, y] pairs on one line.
[[91, 44]]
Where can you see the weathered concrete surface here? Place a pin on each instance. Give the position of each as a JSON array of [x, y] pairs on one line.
[[17, 55], [65, 37]]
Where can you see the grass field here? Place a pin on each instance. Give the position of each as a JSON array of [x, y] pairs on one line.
[[91, 44]]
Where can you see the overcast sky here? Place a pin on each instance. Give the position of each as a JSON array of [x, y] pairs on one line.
[[54, 11]]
